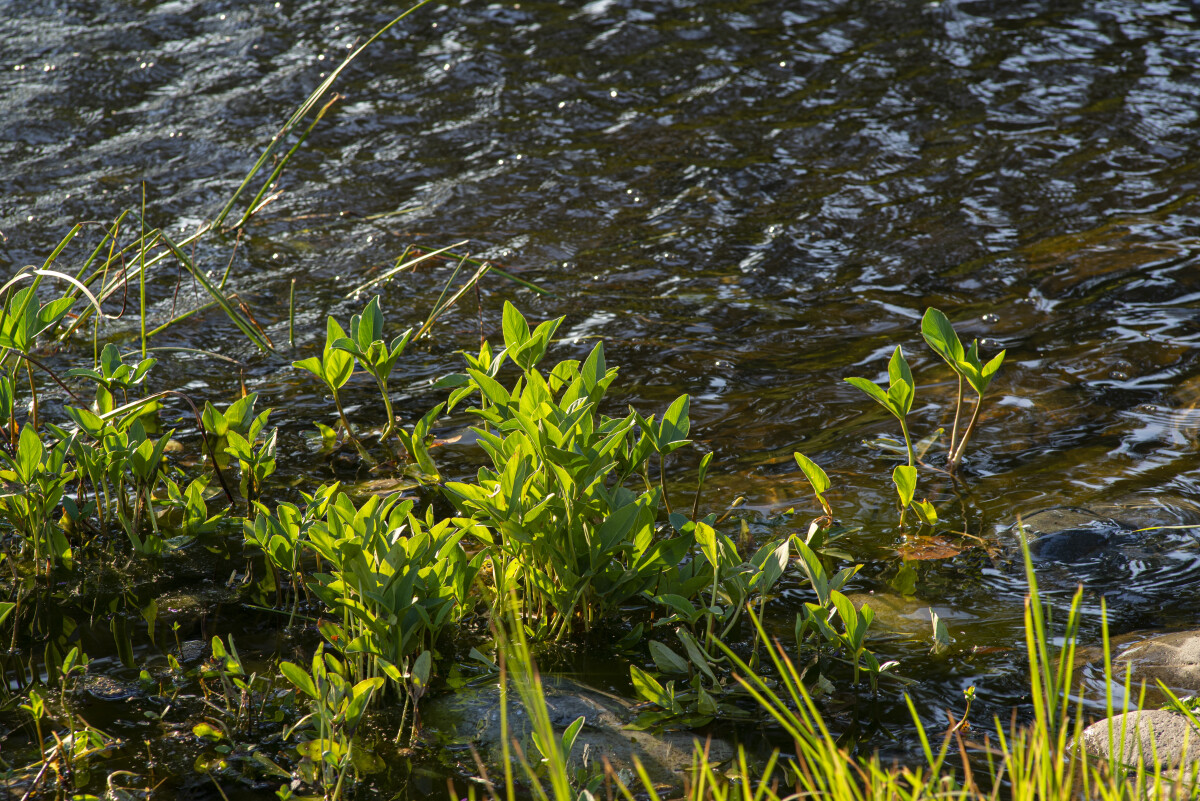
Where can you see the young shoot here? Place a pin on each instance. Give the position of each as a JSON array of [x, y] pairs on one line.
[[968, 366], [898, 399], [333, 367], [366, 344]]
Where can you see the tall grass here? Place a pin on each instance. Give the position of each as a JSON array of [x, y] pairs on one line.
[[1040, 759]]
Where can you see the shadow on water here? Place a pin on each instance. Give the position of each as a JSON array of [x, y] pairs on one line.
[[747, 202]]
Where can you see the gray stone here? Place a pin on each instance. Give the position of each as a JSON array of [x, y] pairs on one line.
[[471, 717], [1148, 733], [1173, 659]]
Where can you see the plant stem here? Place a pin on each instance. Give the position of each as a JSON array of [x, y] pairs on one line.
[[907, 442], [342, 414], [142, 272], [33, 399], [387, 407], [957, 411], [292, 315], [956, 457], [662, 481]]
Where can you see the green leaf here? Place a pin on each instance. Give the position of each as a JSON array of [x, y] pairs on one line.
[[696, 653], [849, 615], [675, 425], [871, 388], [989, 369], [88, 421], [810, 563], [29, 454], [270, 766], [490, 388], [941, 635], [615, 529], [772, 561], [569, 736], [813, 472], [939, 334], [905, 479], [421, 669], [648, 689], [927, 512], [299, 677], [898, 370], [593, 369], [369, 326], [901, 396], [682, 606], [706, 538], [313, 365], [667, 660], [206, 731], [516, 329]]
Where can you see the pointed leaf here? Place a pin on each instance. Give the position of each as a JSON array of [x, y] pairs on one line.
[[927, 512], [898, 370], [871, 388], [667, 660], [516, 328], [299, 677], [813, 472], [905, 479], [939, 334]]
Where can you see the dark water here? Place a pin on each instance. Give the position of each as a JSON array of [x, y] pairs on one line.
[[746, 201]]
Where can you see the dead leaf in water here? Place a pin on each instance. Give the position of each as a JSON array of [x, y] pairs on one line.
[[928, 548]]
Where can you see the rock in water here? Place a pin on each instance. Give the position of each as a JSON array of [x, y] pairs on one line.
[[471, 717], [1173, 659], [1068, 534]]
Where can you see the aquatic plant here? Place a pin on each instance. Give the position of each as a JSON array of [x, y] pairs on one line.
[[559, 530], [333, 367], [898, 398], [337, 706], [39, 477], [378, 358], [395, 579]]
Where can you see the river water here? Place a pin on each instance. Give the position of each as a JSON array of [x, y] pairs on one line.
[[748, 201]]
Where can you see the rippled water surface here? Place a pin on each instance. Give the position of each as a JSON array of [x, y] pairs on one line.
[[746, 201]]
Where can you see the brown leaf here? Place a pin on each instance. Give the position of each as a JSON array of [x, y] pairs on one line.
[[925, 548]]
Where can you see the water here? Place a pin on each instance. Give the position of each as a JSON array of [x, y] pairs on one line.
[[746, 201]]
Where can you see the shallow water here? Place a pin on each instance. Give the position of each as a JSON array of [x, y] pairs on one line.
[[746, 201]]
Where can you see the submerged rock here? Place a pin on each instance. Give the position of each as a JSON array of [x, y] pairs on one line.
[[1068, 534], [1119, 550], [904, 616], [106, 688], [192, 603], [471, 718]]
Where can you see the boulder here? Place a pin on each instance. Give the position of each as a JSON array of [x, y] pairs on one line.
[[470, 717], [1148, 733], [1173, 659]]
